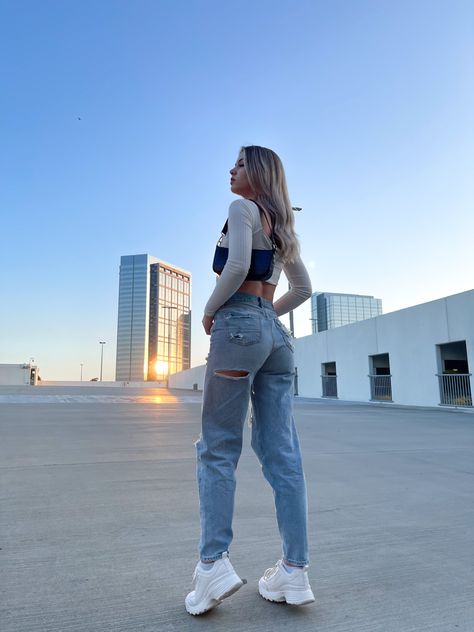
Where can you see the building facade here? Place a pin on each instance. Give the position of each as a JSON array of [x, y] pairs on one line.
[[154, 319], [330, 310], [19, 374], [421, 355]]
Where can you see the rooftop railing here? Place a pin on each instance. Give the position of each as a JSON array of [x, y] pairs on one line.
[[329, 385], [381, 387], [455, 389]]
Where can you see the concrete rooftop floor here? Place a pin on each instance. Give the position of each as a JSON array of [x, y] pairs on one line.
[[99, 516]]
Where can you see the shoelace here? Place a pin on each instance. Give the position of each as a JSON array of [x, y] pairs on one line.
[[270, 572]]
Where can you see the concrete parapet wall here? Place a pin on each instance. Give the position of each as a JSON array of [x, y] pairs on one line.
[[107, 384], [187, 379], [410, 336]]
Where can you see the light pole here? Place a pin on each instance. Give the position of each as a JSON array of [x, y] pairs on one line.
[[81, 370], [314, 328], [101, 357], [292, 324]]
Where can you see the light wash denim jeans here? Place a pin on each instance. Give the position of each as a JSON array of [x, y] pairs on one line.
[[248, 337]]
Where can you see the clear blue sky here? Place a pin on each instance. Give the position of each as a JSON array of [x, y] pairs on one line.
[[370, 105]]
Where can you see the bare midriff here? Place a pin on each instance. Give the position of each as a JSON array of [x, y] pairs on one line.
[[258, 288]]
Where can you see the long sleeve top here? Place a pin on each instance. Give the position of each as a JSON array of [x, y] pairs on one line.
[[244, 233]]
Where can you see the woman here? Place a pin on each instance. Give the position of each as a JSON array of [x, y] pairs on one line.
[[251, 357]]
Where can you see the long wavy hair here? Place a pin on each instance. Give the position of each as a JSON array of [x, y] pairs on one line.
[[266, 177]]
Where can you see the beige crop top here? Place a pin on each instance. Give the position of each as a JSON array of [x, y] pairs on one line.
[[245, 233]]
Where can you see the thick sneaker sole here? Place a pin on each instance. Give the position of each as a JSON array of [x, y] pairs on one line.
[[224, 588], [292, 597]]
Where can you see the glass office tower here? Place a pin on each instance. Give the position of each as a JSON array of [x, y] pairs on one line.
[[154, 319], [329, 310]]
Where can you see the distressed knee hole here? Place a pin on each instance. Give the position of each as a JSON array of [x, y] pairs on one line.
[[231, 373]]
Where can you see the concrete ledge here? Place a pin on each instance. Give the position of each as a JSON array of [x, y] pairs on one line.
[[103, 384]]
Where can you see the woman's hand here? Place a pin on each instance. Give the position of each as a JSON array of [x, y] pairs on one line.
[[207, 323]]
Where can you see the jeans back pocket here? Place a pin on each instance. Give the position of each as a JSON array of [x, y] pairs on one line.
[[243, 329]]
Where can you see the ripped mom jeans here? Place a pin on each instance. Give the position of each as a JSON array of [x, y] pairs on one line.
[[248, 340]]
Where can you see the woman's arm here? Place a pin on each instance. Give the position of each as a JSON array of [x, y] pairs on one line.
[[238, 261], [300, 287]]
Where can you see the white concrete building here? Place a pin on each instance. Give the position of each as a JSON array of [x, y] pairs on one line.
[[419, 356], [394, 357], [18, 374]]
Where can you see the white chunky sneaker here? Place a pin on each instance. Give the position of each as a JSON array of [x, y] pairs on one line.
[[277, 584], [212, 586]]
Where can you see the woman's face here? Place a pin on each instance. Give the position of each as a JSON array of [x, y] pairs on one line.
[[239, 182]]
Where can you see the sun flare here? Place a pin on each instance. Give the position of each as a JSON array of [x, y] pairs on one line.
[[161, 367]]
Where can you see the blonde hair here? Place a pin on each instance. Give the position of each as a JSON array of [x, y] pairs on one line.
[[267, 179]]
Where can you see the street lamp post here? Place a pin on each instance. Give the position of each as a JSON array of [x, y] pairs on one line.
[[81, 370], [314, 327], [101, 357], [292, 324]]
